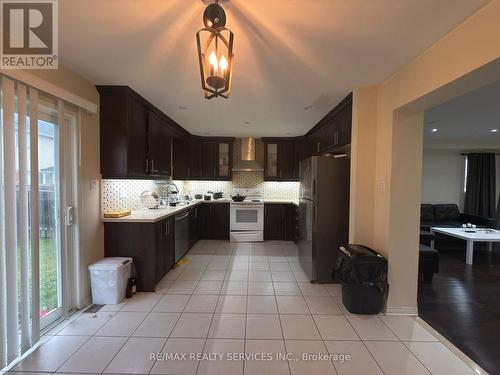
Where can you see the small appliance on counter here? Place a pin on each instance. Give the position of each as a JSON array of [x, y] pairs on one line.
[[207, 197], [218, 195], [198, 196]]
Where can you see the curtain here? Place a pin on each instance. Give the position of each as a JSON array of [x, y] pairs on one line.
[[498, 213], [19, 246], [480, 191]]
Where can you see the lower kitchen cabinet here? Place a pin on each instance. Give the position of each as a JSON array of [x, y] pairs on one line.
[[213, 221], [279, 222], [193, 226], [150, 245]]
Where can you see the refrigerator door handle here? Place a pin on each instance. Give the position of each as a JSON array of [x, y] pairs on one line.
[[314, 187]]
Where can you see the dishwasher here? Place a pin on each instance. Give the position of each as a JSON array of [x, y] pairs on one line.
[[181, 234]]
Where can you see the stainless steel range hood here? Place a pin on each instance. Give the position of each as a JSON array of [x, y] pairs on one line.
[[246, 161]]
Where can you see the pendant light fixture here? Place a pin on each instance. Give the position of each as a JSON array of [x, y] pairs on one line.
[[215, 53]]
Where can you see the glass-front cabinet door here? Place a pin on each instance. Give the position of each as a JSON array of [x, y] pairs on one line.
[[223, 160], [271, 160]]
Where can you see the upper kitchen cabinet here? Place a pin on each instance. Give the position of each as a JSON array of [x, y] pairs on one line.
[[159, 146], [210, 158], [280, 159], [135, 136], [180, 156], [333, 132]]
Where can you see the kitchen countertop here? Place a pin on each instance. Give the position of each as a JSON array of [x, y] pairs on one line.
[[282, 201], [152, 216]]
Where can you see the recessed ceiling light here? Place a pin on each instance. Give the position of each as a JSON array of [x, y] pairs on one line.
[[494, 130], [183, 107], [309, 107], [247, 122], [434, 130]]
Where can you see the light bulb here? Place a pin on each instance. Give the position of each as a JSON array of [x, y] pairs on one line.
[[213, 61], [223, 64]]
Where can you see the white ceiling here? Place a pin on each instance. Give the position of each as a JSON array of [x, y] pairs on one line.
[[289, 54], [467, 119]]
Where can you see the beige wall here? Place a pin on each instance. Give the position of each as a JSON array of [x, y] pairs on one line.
[[363, 154], [433, 77], [90, 226]]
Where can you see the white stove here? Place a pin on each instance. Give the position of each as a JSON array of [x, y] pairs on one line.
[[247, 217]]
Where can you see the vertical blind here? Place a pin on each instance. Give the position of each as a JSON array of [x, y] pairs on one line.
[[19, 246]]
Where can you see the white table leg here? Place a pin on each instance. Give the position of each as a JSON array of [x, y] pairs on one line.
[[470, 252], [490, 246]]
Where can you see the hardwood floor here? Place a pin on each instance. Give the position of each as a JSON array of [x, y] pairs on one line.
[[463, 304]]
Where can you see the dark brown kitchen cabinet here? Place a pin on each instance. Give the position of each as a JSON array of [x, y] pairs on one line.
[[333, 132], [193, 226], [135, 136], [159, 146], [279, 222], [213, 221], [180, 157], [150, 245], [210, 158], [123, 133], [165, 247], [280, 159], [301, 153], [195, 170]]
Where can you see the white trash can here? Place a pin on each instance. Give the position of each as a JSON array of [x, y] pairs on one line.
[[108, 280]]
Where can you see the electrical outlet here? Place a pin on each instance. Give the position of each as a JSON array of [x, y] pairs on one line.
[[93, 185]]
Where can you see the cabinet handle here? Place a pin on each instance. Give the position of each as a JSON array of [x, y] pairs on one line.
[[166, 228], [152, 165], [318, 146], [147, 165], [189, 172]]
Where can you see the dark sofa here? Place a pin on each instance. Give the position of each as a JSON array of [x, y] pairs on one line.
[[447, 215]]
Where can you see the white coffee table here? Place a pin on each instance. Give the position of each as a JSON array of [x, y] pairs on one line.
[[480, 235]]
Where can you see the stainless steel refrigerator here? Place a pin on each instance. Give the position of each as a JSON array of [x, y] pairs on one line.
[[323, 214]]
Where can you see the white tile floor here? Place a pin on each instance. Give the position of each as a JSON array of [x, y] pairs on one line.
[[240, 298]]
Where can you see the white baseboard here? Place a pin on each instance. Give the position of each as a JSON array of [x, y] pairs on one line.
[[411, 311]]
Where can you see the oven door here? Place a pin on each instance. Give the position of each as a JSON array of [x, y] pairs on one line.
[[247, 217]]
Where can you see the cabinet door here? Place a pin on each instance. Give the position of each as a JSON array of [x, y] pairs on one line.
[[288, 222], [273, 216], [159, 146], [209, 159], [301, 147], [286, 158], [271, 171], [224, 160], [194, 171], [160, 251], [180, 154], [169, 244], [204, 221], [220, 220], [193, 226], [137, 122], [345, 126]]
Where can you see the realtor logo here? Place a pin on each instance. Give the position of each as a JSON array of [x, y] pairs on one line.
[[29, 34]]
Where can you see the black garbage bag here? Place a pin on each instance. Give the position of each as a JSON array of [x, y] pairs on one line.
[[363, 273]]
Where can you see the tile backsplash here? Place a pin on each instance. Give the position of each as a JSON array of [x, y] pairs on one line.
[[125, 194]]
